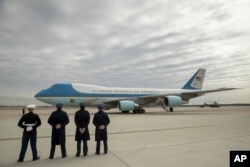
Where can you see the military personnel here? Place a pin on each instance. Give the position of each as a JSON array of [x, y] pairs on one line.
[[29, 122], [58, 120], [82, 119], [101, 121]]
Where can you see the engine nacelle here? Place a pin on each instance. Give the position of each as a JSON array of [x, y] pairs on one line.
[[126, 105], [172, 101]]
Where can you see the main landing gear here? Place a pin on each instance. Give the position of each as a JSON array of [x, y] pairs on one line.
[[171, 109], [138, 111]]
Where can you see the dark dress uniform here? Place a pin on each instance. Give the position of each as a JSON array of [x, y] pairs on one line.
[[58, 136], [29, 118], [82, 119], [101, 118]]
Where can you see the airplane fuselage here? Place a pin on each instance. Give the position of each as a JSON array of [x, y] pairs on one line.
[[71, 94]]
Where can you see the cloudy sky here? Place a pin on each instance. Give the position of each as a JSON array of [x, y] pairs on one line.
[[132, 43]]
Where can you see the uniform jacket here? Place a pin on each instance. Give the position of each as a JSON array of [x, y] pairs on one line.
[[82, 119], [29, 118], [101, 118], [58, 135]]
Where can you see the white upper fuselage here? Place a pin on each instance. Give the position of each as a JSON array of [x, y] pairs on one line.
[[93, 89]]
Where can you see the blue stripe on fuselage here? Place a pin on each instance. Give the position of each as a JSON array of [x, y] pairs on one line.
[[67, 90]]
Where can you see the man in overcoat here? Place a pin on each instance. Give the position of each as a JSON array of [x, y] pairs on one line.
[[101, 121], [82, 119], [58, 120]]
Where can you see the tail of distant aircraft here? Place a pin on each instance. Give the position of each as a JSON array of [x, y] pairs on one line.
[[196, 81]]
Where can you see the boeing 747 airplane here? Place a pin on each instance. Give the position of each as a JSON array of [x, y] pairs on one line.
[[126, 99]]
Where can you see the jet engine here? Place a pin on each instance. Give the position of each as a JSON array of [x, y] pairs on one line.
[[126, 105], [172, 101]]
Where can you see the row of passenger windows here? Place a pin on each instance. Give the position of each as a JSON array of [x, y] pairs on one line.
[[124, 91]]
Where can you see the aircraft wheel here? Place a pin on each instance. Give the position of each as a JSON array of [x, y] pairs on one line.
[[139, 111]]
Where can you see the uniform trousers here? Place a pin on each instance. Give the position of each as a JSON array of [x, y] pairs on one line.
[[25, 140], [85, 147], [98, 145], [53, 148]]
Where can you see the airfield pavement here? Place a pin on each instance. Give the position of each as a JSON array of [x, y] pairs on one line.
[[190, 137]]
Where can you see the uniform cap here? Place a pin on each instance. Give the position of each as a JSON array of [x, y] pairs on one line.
[[31, 106], [99, 106], [59, 105], [81, 104]]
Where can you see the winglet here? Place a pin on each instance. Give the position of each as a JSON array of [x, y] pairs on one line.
[[196, 81]]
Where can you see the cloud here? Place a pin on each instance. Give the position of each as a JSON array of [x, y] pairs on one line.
[[122, 43]]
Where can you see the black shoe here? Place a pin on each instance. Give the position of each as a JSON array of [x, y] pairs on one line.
[[97, 153], [19, 160], [77, 155], [51, 157], [37, 158], [64, 156], [85, 155]]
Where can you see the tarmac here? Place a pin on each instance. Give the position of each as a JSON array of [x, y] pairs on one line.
[[190, 137]]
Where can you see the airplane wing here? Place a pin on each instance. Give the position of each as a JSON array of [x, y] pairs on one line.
[[192, 94], [185, 95]]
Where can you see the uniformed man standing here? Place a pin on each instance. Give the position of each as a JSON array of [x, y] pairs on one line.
[[58, 120], [82, 119], [101, 121], [29, 122]]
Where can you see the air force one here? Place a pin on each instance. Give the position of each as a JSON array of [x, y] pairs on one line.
[[126, 99]]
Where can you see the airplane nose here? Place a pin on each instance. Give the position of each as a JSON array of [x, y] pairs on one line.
[[40, 94], [37, 95]]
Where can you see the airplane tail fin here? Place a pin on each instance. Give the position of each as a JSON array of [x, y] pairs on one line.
[[196, 81]]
